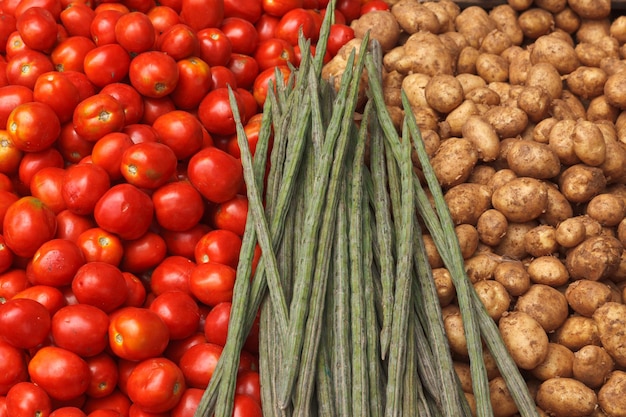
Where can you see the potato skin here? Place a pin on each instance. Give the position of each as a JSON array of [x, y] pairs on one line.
[[611, 321], [577, 332], [545, 304], [595, 258], [521, 200], [592, 364], [580, 183], [611, 396], [585, 296], [524, 338], [558, 363], [566, 397], [533, 159], [454, 161], [467, 202], [382, 26]]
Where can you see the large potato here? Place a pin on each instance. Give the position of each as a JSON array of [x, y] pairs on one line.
[[521, 200], [412, 16], [591, 365], [467, 202], [548, 270], [382, 26], [524, 338], [587, 82], [586, 296], [558, 363], [454, 161], [597, 257], [556, 51], [483, 136], [615, 88], [611, 321], [528, 158], [611, 396], [580, 183], [443, 93], [494, 297], [513, 276], [491, 227], [591, 9], [577, 332], [566, 397], [545, 304]]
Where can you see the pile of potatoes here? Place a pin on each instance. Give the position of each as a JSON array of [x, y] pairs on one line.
[[522, 109]]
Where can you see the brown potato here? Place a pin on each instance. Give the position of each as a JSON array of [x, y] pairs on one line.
[[585, 296], [413, 16], [611, 321], [614, 88], [434, 258], [496, 42], [382, 26], [566, 397], [445, 288], [483, 96], [466, 61], [512, 244], [481, 266], [592, 364], [536, 22], [611, 396], [455, 333], [414, 85], [494, 297], [599, 109], [513, 276], [576, 332], [474, 23], [492, 67], [468, 239], [541, 241], [618, 29], [587, 82], [597, 257], [591, 9], [558, 363], [454, 161], [491, 227], [483, 136], [462, 369], [457, 117], [589, 145], [443, 93], [545, 304], [567, 20], [519, 68], [580, 183], [502, 402], [532, 159], [521, 200], [505, 18], [590, 54], [545, 75], [556, 51], [548, 270], [535, 101], [558, 209], [481, 174], [608, 209], [467, 202], [524, 338]]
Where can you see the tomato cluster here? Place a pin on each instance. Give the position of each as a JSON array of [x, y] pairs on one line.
[[122, 199]]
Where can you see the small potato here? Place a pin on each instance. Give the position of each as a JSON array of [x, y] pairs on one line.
[[592, 364], [481, 266], [457, 117], [587, 82], [443, 93], [502, 402], [611, 321], [541, 130], [614, 165], [585, 296], [566, 397], [558, 208], [445, 288], [618, 29], [589, 144], [467, 202], [491, 227], [607, 209], [570, 232], [567, 20], [580, 183], [454, 161], [535, 101], [462, 369], [611, 396], [507, 121], [483, 96], [481, 174], [591, 9], [468, 239], [483, 136], [382, 26], [466, 61], [590, 55], [414, 85], [600, 109], [501, 177], [532, 159], [455, 333], [474, 23], [544, 74], [576, 332], [519, 67], [492, 67], [521, 200], [470, 82], [413, 16], [541, 241], [553, 6], [494, 297], [595, 258], [558, 363], [536, 22], [614, 89], [434, 258], [505, 18], [545, 304], [512, 244], [513, 276], [524, 338], [495, 42], [548, 270], [556, 51]]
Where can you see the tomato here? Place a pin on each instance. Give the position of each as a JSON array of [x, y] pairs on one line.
[[266, 26], [274, 52], [188, 403], [339, 35], [129, 98], [294, 21], [116, 402], [106, 64], [103, 375], [148, 164], [280, 7], [372, 5], [134, 32], [249, 383], [98, 115], [153, 74], [13, 367], [212, 283], [12, 96], [124, 210], [6, 256], [137, 334], [68, 411], [183, 243], [53, 6], [194, 82], [153, 108], [178, 206], [61, 373], [27, 224], [70, 225], [136, 291], [156, 385], [163, 17], [50, 297], [217, 175], [179, 42], [69, 54], [33, 127], [10, 156], [46, 186], [34, 161], [241, 33], [73, 147], [179, 311], [214, 46], [201, 14], [198, 364], [180, 131], [101, 285], [12, 282], [7, 26], [56, 262], [216, 114], [221, 246], [107, 153], [143, 254], [246, 406], [172, 274], [261, 84], [24, 323], [85, 87], [38, 28], [245, 69], [76, 19], [102, 27], [216, 324], [222, 77], [80, 328], [83, 186], [25, 399], [98, 245]]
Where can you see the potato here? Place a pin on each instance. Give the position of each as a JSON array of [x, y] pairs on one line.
[[553, 6], [468, 239], [611, 321], [513, 276], [535, 101], [466, 61], [454, 161], [483, 96], [567, 20], [544, 74], [597, 257], [424, 52], [591, 9], [443, 93], [434, 259], [492, 67], [536, 22], [558, 363], [587, 82], [545, 304], [599, 109], [462, 369], [541, 241], [524, 338], [611, 395], [481, 174], [614, 89], [455, 333], [445, 288], [588, 143], [502, 402], [496, 42], [491, 226], [580, 183], [412, 17], [570, 232], [512, 244], [566, 397], [585, 296], [558, 208], [481, 266], [505, 18], [607, 209], [507, 121], [576, 332], [614, 165], [590, 55], [532, 159], [467, 202], [382, 26], [618, 29], [575, 105], [474, 23], [556, 51], [484, 137], [521, 200], [519, 68], [494, 297], [520, 5], [414, 86], [457, 117], [592, 364], [548, 270], [541, 130]]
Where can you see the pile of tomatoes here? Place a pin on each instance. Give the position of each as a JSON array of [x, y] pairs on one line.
[[122, 199]]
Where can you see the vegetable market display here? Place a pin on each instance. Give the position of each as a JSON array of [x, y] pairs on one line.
[[464, 256]]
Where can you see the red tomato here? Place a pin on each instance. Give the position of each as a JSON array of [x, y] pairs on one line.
[[53, 6], [116, 402], [12, 282], [143, 254], [124, 210], [241, 33], [7, 26], [198, 364], [69, 54], [178, 206], [24, 67], [153, 108], [6, 256], [216, 114], [101, 285], [172, 274], [129, 98], [76, 19], [180, 131], [179, 311], [183, 243], [136, 291], [13, 367], [24, 323], [339, 35], [292, 22], [222, 77], [98, 115], [148, 164], [246, 406], [351, 9], [212, 283], [106, 64], [266, 26], [250, 11], [252, 129], [103, 375], [249, 383], [188, 403], [12, 96], [33, 127], [163, 17], [107, 153], [134, 31], [83, 185], [72, 146], [98, 245], [102, 27], [280, 7], [215, 46], [10, 156], [34, 161], [217, 175], [27, 399], [50, 297], [80, 80], [70, 225], [274, 52], [216, 323], [81, 328], [38, 28], [245, 69], [137, 334], [194, 82], [153, 74], [201, 14], [27, 224], [61, 373], [261, 84], [179, 42], [55, 263], [46, 186], [68, 411], [372, 5], [221, 246], [156, 385]]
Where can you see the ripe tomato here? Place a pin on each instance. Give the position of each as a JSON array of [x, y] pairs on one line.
[[216, 114], [351, 9], [12, 282], [61, 373], [242, 34], [102, 27], [50, 297], [148, 164], [103, 374], [34, 161], [222, 77], [116, 402], [83, 185], [70, 225], [178, 206], [80, 80], [38, 28], [46, 186], [198, 364], [12, 96], [33, 127], [69, 54], [106, 64], [6, 256], [221, 246], [188, 403], [72, 146], [292, 22], [179, 42], [261, 84], [135, 33], [124, 210], [55, 263], [372, 5], [98, 115], [107, 153], [339, 35], [246, 406], [274, 52], [153, 108], [137, 334], [216, 323], [24, 323], [68, 411], [27, 399], [194, 82], [163, 17], [13, 367], [214, 46], [180, 131], [52, 6], [201, 14], [76, 19], [249, 383], [156, 385], [101, 285], [129, 98], [7, 26], [217, 175], [245, 69], [143, 254], [250, 11], [136, 291], [212, 283], [10, 156], [172, 274], [266, 26], [280, 7], [80, 328], [179, 311], [153, 74], [98, 245], [28, 224]]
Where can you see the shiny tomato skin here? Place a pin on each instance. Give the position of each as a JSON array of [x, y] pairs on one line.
[[107, 153], [27, 224], [194, 82], [280, 7], [38, 28], [12, 282], [46, 186], [32, 162], [107, 64], [140, 132], [71, 225], [61, 373], [81, 328], [10, 156], [102, 27], [25, 66], [179, 312], [221, 246], [188, 403], [13, 367], [217, 175], [137, 334], [6, 256], [249, 383], [351, 9], [85, 87], [179, 42], [136, 290], [180, 131], [134, 31], [76, 19], [56, 262], [116, 402], [245, 69], [246, 406], [216, 114], [7, 26], [24, 323], [12, 96], [163, 17], [216, 323], [178, 206], [33, 126], [292, 22], [101, 285], [242, 34], [98, 115], [153, 74], [104, 374], [373, 5], [222, 77], [201, 14], [143, 254], [339, 35], [274, 52], [154, 107], [129, 98], [68, 411], [266, 26], [156, 385], [172, 274], [50, 297], [69, 54], [212, 283], [71, 145], [98, 245], [261, 83], [28, 399], [214, 46], [183, 243], [198, 364], [83, 186], [124, 210], [148, 165]]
